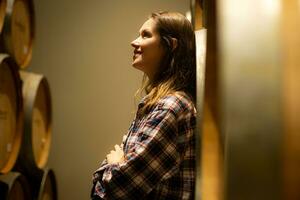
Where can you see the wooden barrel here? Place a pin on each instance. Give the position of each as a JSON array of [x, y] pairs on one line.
[[18, 31], [14, 186], [252, 97], [11, 113], [2, 13], [48, 189], [37, 124]]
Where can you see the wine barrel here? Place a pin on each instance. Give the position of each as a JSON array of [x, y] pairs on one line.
[[37, 124], [48, 189], [2, 13], [18, 31], [11, 113], [14, 186]]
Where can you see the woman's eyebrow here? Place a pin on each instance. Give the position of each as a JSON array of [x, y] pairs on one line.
[[144, 31]]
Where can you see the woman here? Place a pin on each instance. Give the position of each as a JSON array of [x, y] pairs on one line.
[[156, 159]]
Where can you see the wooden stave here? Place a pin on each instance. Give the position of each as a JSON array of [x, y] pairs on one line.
[[291, 99], [2, 13], [6, 34], [11, 181], [20, 116], [26, 162], [209, 141]]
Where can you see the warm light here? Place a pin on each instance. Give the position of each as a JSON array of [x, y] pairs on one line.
[[272, 7], [188, 15]]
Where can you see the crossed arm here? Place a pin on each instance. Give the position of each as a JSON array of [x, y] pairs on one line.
[[154, 157]]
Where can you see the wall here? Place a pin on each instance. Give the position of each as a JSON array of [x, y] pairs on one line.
[[83, 48]]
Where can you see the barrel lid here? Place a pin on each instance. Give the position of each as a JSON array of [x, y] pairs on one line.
[[11, 113], [37, 127], [19, 31]]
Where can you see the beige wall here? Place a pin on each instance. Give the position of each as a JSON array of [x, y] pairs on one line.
[[83, 48]]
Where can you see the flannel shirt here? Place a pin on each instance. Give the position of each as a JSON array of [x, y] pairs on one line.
[[159, 153]]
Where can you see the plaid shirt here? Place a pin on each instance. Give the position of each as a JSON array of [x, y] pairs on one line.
[[159, 153]]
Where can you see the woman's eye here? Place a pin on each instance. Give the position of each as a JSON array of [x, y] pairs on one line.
[[145, 35]]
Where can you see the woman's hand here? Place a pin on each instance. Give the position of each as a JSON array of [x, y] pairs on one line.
[[115, 156]]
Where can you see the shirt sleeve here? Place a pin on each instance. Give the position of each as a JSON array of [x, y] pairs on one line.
[[154, 157]]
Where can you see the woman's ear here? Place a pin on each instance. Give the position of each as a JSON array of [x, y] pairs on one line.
[[174, 43]]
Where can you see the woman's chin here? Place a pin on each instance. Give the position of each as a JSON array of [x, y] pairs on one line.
[[136, 65]]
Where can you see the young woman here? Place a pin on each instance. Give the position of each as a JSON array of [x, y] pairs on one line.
[[156, 159]]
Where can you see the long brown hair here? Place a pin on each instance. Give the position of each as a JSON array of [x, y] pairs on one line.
[[177, 71]]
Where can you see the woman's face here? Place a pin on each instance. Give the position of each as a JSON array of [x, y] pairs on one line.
[[148, 51]]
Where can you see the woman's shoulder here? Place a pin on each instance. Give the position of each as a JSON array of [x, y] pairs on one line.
[[177, 101]]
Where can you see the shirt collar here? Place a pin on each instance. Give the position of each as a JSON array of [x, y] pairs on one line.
[[143, 101]]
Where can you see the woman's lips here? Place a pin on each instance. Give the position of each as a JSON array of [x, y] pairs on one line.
[[136, 54]]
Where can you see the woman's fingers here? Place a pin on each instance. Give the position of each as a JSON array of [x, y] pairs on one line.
[[124, 138], [115, 156], [117, 148], [108, 158]]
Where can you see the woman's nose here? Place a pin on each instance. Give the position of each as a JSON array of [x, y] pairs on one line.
[[135, 43]]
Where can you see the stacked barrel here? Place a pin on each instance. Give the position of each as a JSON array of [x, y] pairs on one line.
[[25, 110]]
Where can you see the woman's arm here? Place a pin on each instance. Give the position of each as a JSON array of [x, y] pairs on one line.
[[154, 157]]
